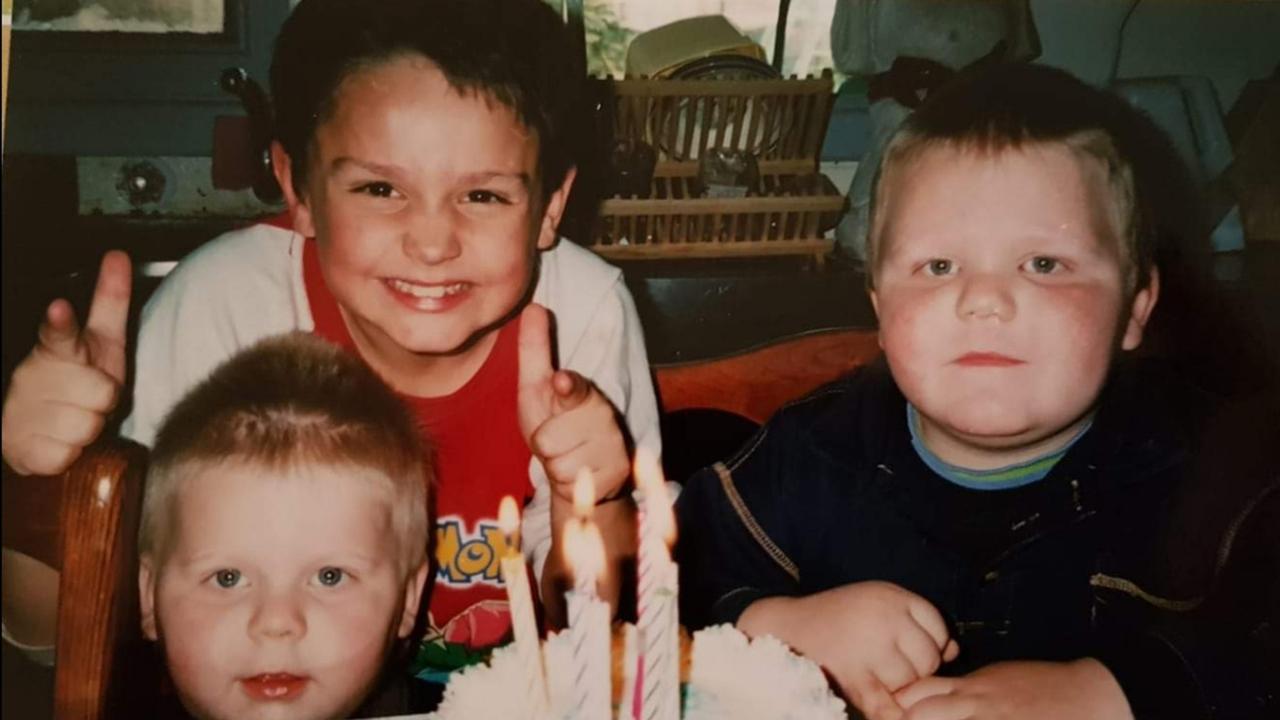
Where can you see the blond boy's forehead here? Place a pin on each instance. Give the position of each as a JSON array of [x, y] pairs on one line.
[[1106, 224], [210, 475]]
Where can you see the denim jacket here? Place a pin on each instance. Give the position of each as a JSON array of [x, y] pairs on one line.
[[831, 492]]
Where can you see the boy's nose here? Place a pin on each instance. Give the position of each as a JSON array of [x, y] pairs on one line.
[[431, 237], [278, 615], [985, 295]]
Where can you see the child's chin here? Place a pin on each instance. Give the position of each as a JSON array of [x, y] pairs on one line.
[[991, 433]]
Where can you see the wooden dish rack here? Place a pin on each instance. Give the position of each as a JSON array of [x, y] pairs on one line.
[[781, 122]]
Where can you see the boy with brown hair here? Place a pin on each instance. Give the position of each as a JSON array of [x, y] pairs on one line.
[[989, 507]]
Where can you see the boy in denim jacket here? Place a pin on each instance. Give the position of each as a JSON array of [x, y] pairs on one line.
[[986, 507]]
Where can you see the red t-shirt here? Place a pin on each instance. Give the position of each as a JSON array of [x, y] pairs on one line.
[[480, 456]]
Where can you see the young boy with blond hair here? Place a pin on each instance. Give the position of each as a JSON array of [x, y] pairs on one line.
[[283, 535], [987, 505]]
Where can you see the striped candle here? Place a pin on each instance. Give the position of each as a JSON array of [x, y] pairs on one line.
[[588, 622], [657, 604]]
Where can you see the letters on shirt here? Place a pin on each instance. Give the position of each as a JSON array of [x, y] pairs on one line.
[[467, 558]]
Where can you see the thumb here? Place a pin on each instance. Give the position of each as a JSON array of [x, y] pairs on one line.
[[571, 389], [534, 388], [951, 651], [109, 309], [59, 334], [109, 314]]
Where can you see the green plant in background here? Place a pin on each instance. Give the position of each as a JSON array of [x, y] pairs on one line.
[[607, 39]]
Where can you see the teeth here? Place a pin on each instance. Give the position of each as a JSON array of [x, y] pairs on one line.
[[434, 292]]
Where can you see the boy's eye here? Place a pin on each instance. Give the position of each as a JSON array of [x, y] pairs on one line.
[[1043, 265], [330, 576], [227, 578], [377, 189], [485, 197], [939, 267]]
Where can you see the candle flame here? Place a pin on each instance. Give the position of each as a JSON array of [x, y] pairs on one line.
[[649, 479], [508, 516], [584, 493], [584, 552]]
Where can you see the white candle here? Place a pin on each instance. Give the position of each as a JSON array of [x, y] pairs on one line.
[[588, 622], [657, 611], [520, 602]]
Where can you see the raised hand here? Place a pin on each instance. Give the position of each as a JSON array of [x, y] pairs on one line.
[[1019, 689], [62, 392], [568, 423]]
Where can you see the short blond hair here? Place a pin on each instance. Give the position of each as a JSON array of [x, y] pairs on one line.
[[1015, 106], [285, 404]]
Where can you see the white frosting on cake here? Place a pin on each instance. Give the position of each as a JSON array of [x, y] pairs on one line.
[[731, 677]]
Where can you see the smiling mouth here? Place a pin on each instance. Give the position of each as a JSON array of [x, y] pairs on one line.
[[427, 292], [274, 686], [986, 359]]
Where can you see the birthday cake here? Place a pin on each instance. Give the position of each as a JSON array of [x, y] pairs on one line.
[[725, 675]]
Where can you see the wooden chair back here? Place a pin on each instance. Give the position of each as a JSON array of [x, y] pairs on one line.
[[103, 664], [84, 523], [755, 383], [711, 407]]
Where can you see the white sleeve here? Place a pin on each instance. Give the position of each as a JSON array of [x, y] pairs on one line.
[[600, 338], [226, 295]]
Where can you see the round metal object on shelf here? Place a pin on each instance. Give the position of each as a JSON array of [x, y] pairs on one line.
[[719, 117]]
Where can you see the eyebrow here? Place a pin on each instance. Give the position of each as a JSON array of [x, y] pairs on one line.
[[342, 163], [484, 176]]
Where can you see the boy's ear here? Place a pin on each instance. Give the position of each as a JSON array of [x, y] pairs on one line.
[[412, 599], [147, 597], [1144, 301], [282, 166], [554, 210]]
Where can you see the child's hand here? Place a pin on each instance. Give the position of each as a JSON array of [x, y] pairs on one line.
[[62, 392], [1020, 689], [568, 423], [873, 637]]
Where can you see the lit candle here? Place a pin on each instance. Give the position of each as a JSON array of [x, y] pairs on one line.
[[658, 614], [520, 601], [588, 621]]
